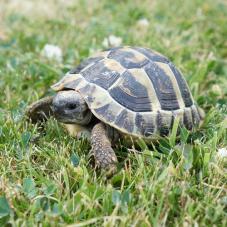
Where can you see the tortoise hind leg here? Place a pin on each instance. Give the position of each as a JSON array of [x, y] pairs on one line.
[[40, 110], [104, 155]]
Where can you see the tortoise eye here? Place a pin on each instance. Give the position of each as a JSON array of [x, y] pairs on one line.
[[72, 106]]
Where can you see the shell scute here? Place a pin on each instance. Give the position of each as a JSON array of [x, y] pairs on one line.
[[164, 122], [101, 75], [163, 87], [187, 120], [131, 94], [128, 58], [123, 120], [144, 125], [186, 95], [152, 55], [106, 112]]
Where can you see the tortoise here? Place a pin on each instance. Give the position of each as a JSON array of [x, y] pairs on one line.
[[122, 92]]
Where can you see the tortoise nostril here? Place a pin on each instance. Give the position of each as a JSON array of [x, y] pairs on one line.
[[71, 106]]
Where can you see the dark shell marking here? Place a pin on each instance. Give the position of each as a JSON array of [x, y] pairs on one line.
[[104, 111], [134, 89], [163, 87], [101, 75], [187, 120], [195, 115], [164, 123], [145, 126], [151, 55], [123, 120], [186, 95], [128, 58], [131, 94]]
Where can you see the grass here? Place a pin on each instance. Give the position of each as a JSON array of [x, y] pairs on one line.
[[51, 182]]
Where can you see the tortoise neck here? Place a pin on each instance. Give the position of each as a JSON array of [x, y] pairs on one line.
[[88, 118]]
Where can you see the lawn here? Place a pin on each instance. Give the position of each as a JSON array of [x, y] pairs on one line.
[[51, 182]]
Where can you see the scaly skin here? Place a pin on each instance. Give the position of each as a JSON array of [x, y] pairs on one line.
[[105, 156], [40, 110]]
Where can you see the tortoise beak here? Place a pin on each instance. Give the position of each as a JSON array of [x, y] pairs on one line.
[[64, 102]]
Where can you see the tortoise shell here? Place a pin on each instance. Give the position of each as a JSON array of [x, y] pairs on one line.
[[135, 90]]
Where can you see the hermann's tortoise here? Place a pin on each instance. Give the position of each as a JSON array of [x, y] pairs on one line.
[[124, 91]]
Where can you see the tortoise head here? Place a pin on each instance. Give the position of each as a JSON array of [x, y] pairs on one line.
[[70, 107]]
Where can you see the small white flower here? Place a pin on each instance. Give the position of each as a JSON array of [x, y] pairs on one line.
[[112, 41], [52, 52], [222, 152], [115, 41], [143, 23]]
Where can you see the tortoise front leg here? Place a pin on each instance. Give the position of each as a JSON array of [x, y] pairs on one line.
[[105, 156], [40, 110]]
